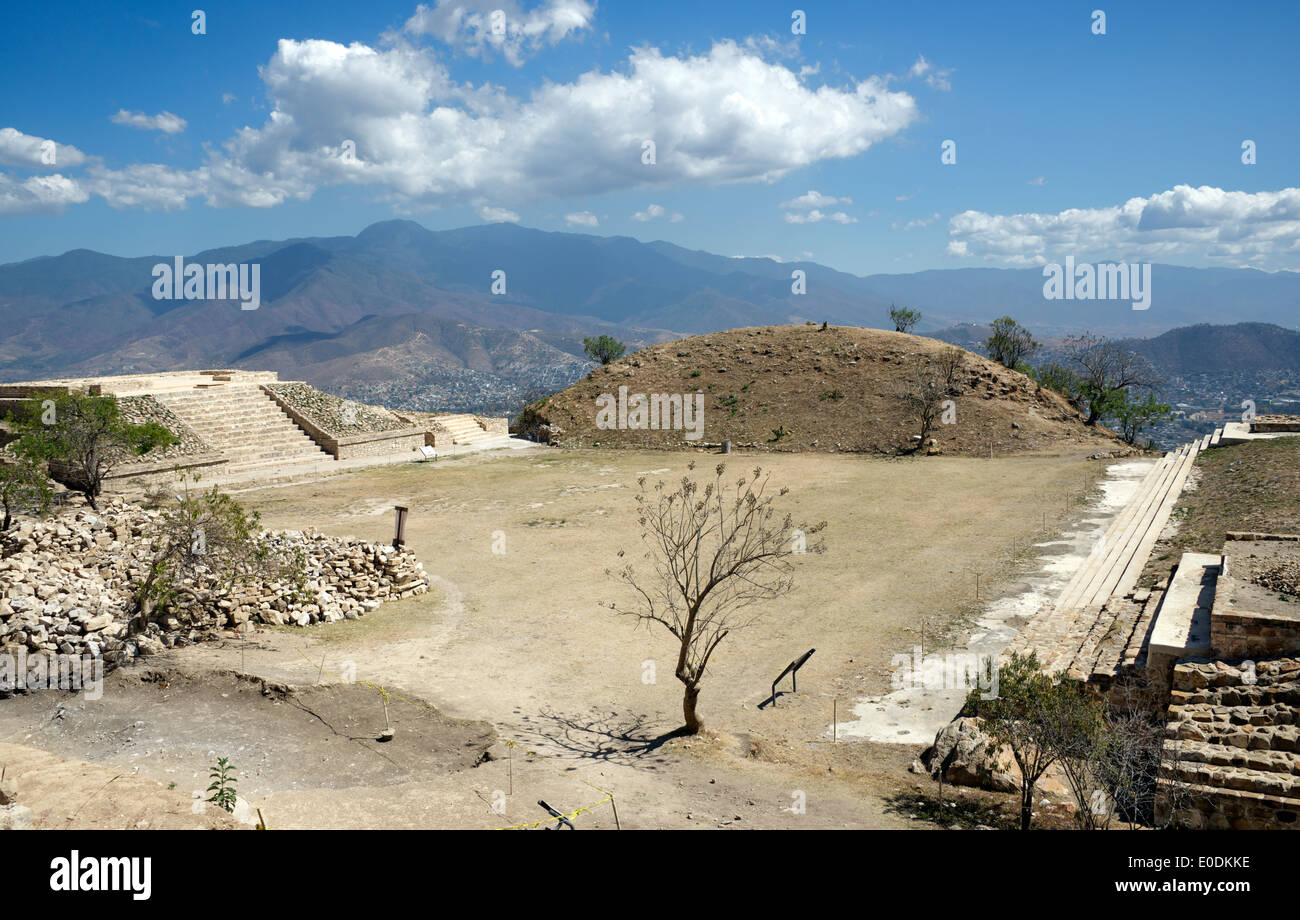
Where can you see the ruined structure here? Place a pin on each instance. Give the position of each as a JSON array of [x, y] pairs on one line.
[[249, 427], [1215, 645]]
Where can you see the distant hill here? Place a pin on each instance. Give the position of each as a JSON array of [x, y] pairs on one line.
[[88, 313], [812, 389], [1207, 349]]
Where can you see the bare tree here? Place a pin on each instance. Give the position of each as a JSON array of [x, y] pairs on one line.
[[712, 554], [1106, 371], [1139, 764], [925, 388]]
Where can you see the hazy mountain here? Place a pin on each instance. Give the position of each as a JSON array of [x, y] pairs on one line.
[[1207, 349], [330, 305]]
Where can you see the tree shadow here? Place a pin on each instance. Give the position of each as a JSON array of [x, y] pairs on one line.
[[953, 810], [610, 736]]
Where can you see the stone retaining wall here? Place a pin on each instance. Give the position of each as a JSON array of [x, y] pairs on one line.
[[1242, 634]]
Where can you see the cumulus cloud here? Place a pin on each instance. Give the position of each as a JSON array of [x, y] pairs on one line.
[[481, 28], [726, 115], [165, 122], [39, 194], [19, 149], [655, 212], [1257, 229], [581, 219], [393, 120], [816, 216], [813, 199], [498, 215]]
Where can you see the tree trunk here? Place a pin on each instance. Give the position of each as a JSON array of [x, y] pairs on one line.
[[693, 723], [1026, 807]]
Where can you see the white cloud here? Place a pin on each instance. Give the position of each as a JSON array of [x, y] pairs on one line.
[[917, 222], [227, 98], [1040, 181], [19, 149], [498, 215], [726, 115], [1257, 229], [165, 122], [581, 219], [816, 216], [481, 27], [423, 140], [39, 194], [934, 78], [813, 199], [654, 211]]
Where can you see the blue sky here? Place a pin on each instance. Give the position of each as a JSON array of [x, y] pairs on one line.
[[825, 145]]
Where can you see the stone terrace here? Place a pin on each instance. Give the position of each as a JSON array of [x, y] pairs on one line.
[[247, 428]]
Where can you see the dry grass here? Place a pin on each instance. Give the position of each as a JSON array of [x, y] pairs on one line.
[[804, 388]]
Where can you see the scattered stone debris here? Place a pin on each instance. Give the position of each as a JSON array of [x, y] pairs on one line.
[[66, 585], [332, 413]]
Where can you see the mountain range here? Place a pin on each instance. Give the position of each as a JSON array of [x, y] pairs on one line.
[[410, 314]]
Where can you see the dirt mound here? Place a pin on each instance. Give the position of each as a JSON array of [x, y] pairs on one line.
[[808, 388]]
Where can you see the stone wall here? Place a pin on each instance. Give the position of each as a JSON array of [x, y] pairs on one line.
[[1242, 634], [364, 431], [1233, 755]]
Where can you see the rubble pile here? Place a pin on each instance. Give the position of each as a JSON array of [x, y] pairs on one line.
[[66, 586]]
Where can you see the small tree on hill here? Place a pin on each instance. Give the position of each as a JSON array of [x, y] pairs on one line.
[[1106, 370], [23, 488], [1060, 379], [903, 318], [603, 348], [204, 546], [83, 438], [1010, 343], [927, 386], [712, 554]]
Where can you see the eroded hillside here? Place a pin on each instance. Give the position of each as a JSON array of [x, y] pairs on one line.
[[812, 388]]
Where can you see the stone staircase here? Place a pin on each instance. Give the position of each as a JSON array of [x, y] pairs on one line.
[[254, 434], [1098, 627], [1233, 755], [465, 430]]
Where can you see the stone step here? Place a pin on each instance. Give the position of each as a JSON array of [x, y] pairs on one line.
[[248, 427], [1265, 782], [1222, 755], [1074, 589], [1122, 541], [1099, 624]]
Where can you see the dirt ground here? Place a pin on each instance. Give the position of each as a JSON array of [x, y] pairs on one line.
[[778, 389], [1253, 487], [513, 634]]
